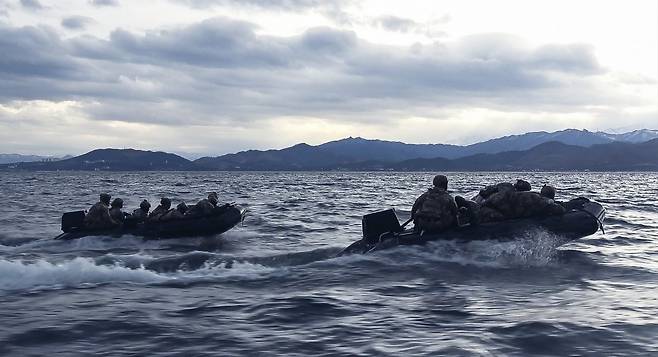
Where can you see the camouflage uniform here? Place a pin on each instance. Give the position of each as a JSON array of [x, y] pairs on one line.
[[488, 214], [157, 213], [99, 217], [435, 210], [531, 204], [501, 201], [178, 213], [469, 210], [140, 215], [173, 214], [202, 208], [490, 190], [205, 207], [117, 214]]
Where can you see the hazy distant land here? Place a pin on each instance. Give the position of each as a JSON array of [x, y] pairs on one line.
[[538, 151]]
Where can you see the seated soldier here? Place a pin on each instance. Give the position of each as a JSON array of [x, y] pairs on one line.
[[162, 209], [98, 216], [141, 214], [115, 211], [490, 190], [499, 204], [435, 210], [554, 207], [469, 211], [178, 213], [522, 185], [205, 207], [524, 204]]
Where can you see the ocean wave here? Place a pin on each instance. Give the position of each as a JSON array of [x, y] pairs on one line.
[[21, 275]]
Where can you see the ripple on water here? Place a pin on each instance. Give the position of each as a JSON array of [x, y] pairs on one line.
[[274, 285]]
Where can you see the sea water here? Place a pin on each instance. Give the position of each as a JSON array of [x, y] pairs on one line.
[[274, 286]]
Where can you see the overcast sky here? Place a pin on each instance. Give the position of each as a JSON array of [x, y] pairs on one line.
[[220, 76]]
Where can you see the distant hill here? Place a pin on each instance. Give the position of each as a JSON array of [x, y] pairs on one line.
[[298, 157], [357, 150], [360, 149], [12, 158], [113, 160], [551, 156]]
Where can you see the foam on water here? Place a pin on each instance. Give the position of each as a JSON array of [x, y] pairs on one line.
[[21, 275], [85, 272], [535, 249]]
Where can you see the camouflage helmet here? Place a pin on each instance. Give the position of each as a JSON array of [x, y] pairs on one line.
[[522, 185], [182, 207], [165, 202], [488, 191], [440, 181], [548, 191], [504, 187], [117, 203], [213, 198], [145, 205], [105, 198]]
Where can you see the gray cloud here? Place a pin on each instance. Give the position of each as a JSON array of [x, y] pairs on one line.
[[265, 4], [32, 4], [332, 9], [34, 52], [77, 22], [100, 3], [4, 9], [396, 24], [222, 71]]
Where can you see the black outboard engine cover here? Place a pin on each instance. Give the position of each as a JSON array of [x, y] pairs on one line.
[[375, 224], [72, 221]]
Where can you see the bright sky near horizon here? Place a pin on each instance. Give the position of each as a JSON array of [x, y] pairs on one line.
[[220, 76]]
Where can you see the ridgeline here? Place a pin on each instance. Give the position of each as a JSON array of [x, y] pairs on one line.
[[574, 151]]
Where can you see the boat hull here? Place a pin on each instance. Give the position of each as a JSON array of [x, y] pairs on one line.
[[580, 221], [187, 227]]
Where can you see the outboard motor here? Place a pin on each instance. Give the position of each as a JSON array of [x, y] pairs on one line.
[[72, 221], [378, 223]]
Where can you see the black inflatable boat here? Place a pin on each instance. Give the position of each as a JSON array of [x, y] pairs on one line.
[[382, 230], [225, 218]]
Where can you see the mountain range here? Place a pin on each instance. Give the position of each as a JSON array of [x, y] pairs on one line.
[[350, 151], [562, 150]]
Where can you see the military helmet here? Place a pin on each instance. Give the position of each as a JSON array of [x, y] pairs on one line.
[[548, 191], [212, 197], [117, 203], [488, 191], [182, 207], [522, 185], [105, 198], [145, 205], [440, 181], [165, 202], [460, 201]]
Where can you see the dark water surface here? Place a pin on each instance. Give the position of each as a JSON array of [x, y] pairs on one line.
[[273, 286]]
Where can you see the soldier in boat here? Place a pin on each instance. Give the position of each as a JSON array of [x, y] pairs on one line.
[[161, 210], [98, 216], [435, 210]]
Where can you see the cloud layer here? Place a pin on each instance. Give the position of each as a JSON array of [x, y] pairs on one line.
[[225, 73]]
